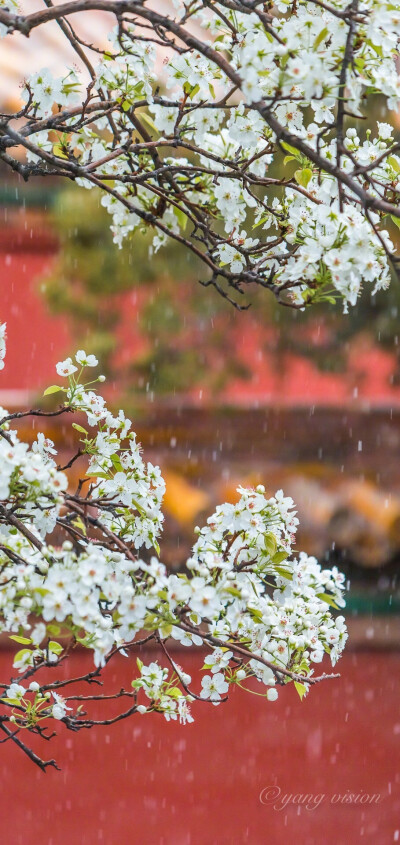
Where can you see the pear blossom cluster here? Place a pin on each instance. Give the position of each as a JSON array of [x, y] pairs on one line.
[[129, 490], [30, 484], [74, 572], [234, 130]]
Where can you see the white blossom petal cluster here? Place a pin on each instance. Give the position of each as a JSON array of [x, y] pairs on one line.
[[30, 484], [190, 140], [262, 615]]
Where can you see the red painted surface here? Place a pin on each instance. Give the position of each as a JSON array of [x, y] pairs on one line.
[[292, 379], [156, 783], [36, 340]]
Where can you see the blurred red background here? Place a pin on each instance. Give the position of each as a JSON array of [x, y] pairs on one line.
[[148, 781]]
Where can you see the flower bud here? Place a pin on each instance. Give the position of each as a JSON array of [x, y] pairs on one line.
[[26, 601], [272, 694]]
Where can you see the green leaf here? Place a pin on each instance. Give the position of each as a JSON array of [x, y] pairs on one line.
[[126, 105], [116, 462], [260, 222], [53, 629], [303, 176], [181, 218], [139, 663], [79, 428], [78, 523], [193, 90], [233, 592], [165, 629], [22, 640], [270, 543], [255, 614], [395, 220], [292, 150], [13, 701], [279, 557], [324, 597], [150, 622], [322, 35], [147, 119], [175, 692], [394, 163], [284, 573], [55, 647], [20, 654], [53, 389], [301, 689], [59, 151], [288, 158]]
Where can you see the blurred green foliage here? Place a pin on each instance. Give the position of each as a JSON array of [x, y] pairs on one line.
[[185, 335], [182, 325]]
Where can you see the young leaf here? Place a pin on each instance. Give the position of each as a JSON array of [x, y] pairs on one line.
[[290, 149], [181, 218], [59, 151], [395, 220], [284, 573], [303, 176], [394, 163], [279, 557], [147, 119], [270, 544], [320, 38], [116, 462], [175, 692], [20, 654], [301, 689], [324, 597], [55, 647], [79, 428], [53, 389], [22, 640]]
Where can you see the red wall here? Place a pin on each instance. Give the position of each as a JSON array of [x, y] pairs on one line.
[[150, 782], [37, 340], [34, 341]]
